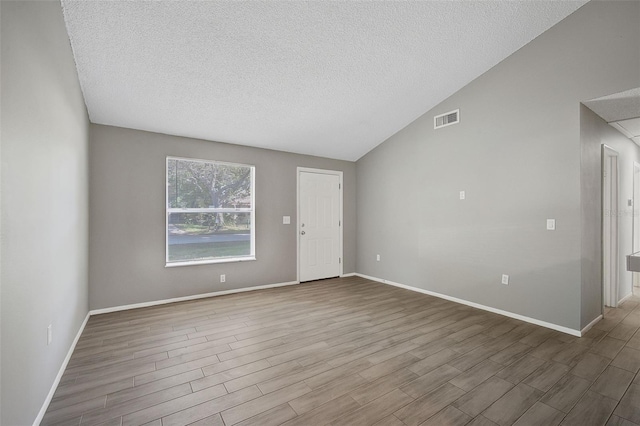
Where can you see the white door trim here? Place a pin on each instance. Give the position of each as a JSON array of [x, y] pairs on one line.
[[610, 293], [340, 249]]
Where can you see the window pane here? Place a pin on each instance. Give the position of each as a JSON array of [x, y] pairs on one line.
[[202, 236], [196, 184]]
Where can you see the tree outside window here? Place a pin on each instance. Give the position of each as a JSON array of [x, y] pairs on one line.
[[210, 211]]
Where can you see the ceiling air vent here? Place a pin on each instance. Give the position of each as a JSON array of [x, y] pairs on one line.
[[443, 120]]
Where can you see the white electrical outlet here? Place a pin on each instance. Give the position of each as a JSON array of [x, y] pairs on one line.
[[223, 278], [286, 220], [49, 334], [505, 279], [378, 257], [551, 224], [462, 195]]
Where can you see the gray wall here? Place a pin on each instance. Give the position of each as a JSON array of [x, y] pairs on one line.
[[594, 132], [516, 153], [127, 228], [44, 204]]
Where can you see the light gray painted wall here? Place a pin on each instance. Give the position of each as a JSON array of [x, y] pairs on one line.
[[44, 204], [516, 153], [594, 132], [127, 228]]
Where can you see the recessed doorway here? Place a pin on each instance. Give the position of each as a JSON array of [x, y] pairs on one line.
[[610, 226]]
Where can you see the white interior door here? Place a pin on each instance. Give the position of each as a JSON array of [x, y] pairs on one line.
[[610, 226], [319, 225]]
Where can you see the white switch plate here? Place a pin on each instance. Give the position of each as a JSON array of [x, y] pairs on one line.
[[462, 195], [286, 220], [378, 257], [505, 279], [49, 334], [551, 224], [223, 278]]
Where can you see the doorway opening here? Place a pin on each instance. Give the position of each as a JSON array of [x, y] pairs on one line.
[[636, 220], [610, 262]]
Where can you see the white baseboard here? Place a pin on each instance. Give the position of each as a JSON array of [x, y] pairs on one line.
[[624, 299], [591, 324], [186, 298], [479, 306], [63, 367], [350, 274]]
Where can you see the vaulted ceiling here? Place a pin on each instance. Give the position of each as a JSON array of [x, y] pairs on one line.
[[333, 79]]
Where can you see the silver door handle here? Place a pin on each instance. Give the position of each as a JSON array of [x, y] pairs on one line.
[[302, 233]]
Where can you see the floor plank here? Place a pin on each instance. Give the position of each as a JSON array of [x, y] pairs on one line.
[[477, 400], [540, 414], [506, 410], [592, 409], [629, 407]]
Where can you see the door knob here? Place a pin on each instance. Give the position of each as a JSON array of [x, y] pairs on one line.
[[302, 233]]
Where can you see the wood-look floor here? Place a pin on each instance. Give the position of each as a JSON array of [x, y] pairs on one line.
[[346, 352]]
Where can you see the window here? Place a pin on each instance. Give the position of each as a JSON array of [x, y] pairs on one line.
[[210, 212]]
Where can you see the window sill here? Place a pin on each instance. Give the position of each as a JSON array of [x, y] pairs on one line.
[[211, 261]]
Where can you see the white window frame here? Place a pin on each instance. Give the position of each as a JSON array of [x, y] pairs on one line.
[[251, 211]]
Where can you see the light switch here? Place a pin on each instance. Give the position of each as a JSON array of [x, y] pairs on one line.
[[551, 224], [286, 220], [462, 195]]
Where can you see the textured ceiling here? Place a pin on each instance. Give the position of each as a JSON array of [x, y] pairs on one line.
[[621, 110], [617, 107], [332, 79], [630, 128]]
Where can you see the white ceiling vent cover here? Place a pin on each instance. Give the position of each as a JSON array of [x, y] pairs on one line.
[[446, 119]]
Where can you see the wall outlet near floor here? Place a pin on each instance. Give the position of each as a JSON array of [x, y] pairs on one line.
[[223, 278], [49, 334], [463, 195], [286, 220], [378, 257], [505, 279], [551, 224]]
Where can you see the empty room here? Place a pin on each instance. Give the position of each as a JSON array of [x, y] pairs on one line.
[[232, 213]]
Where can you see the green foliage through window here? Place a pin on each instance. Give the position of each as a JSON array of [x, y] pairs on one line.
[[209, 210], [198, 184]]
